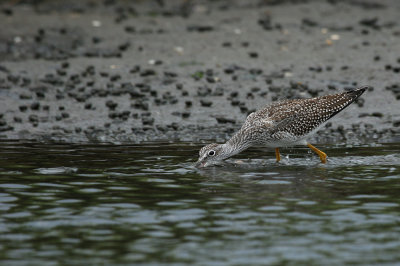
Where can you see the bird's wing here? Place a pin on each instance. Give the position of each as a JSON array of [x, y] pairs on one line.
[[272, 114], [301, 116]]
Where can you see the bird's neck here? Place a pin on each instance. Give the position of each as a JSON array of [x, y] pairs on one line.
[[238, 143]]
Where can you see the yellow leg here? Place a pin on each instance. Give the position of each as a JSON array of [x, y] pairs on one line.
[[278, 155], [322, 155]]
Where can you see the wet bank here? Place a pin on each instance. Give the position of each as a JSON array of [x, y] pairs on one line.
[[120, 71]]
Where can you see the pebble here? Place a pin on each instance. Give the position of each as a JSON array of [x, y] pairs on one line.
[[147, 72], [203, 91], [33, 118], [65, 115], [224, 120], [205, 103], [35, 106], [253, 54], [200, 28], [7, 11], [188, 104], [309, 22], [25, 96], [111, 104], [147, 120], [174, 126], [265, 22], [141, 104], [185, 114], [377, 114], [360, 102], [124, 115], [219, 91], [370, 22], [229, 70]]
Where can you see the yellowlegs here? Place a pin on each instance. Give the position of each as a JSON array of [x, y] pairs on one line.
[[282, 124]]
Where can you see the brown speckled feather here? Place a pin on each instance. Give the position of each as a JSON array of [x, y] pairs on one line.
[[300, 117]]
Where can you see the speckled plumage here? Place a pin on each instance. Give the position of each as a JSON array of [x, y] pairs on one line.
[[284, 123]]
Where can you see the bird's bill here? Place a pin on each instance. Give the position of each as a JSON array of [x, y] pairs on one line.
[[200, 164]]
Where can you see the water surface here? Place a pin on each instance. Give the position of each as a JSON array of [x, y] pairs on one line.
[[147, 204]]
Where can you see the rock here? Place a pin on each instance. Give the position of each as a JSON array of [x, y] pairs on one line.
[[147, 121], [147, 72], [253, 54], [33, 118], [205, 103], [224, 120], [111, 104], [65, 115], [35, 106], [200, 28], [203, 91], [25, 96]]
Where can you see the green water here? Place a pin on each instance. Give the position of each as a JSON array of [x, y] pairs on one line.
[[147, 204]]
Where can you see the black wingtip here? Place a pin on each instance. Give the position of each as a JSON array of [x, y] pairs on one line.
[[361, 89], [358, 91]]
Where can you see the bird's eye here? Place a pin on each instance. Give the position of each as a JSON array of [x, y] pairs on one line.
[[211, 153]]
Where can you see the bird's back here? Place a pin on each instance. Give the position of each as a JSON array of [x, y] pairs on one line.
[[299, 117]]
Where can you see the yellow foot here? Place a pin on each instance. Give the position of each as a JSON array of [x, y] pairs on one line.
[[278, 155], [322, 155]]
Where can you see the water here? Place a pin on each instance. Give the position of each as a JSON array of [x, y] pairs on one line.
[[146, 204]]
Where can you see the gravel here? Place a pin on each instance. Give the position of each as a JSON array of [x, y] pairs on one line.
[[121, 71]]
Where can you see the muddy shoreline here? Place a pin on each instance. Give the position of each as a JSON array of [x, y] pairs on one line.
[[120, 71]]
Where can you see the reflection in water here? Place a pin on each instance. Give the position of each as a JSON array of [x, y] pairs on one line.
[[109, 204]]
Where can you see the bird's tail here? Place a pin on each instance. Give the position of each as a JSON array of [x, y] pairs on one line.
[[354, 94], [337, 102]]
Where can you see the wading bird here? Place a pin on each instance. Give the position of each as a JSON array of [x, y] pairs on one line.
[[282, 124]]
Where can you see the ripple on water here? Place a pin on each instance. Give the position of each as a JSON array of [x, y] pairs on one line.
[[234, 214], [365, 196], [306, 202], [56, 185], [141, 217], [273, 208], [14, 186], [5, 197], [90, 190], [182, 215], [68, 201], [15, 237], [16, 215], [346, 202], [56, 170], [273, 182], [121, 188], [378, 205], [160, 180], [121, 205], [171, 203]]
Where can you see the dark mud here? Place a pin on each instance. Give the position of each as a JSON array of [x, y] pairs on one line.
[[187, 70]]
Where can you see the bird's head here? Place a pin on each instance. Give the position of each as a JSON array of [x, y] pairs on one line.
[[210, 155]]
